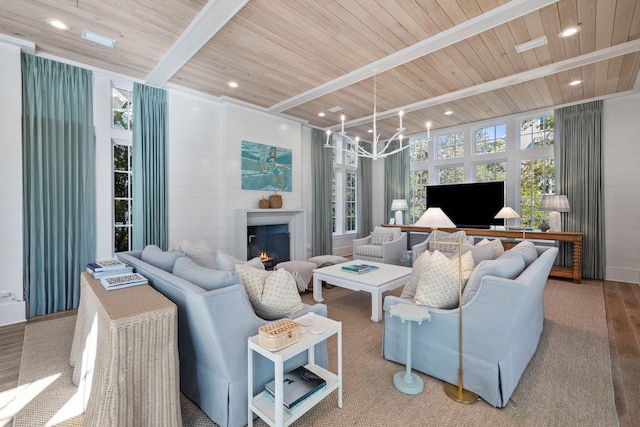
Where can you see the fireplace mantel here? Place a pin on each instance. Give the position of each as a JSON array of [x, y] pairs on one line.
[[295, 218]]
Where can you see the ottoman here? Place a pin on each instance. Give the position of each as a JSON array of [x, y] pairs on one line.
[[302, 271], [327, 260]]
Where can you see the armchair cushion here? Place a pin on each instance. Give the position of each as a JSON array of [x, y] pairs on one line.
[[438, 286], [508, 266], [380, 238]]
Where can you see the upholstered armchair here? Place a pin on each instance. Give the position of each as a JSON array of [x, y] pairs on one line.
[[385, 245]]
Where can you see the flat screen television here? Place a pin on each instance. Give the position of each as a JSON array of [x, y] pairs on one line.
[[471, 205]]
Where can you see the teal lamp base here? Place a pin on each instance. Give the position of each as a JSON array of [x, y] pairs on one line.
[[408, 383]]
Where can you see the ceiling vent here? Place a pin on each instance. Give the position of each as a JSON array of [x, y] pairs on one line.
[[541, 41], [97, 38]]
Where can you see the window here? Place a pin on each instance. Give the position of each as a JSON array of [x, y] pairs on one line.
[[122, 196], [451, 175], [122, 107], [491, 139], [451, 145], [490, 172], [418, 181], [419, 149], [536, 132], [344, 187], [537, 177]]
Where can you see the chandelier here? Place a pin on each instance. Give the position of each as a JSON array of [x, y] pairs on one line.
[[374, 154]]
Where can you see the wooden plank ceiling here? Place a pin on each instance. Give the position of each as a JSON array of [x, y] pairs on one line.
[[303, 57]]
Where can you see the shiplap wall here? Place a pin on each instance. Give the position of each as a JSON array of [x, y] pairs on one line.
[[621, 153], [204, 172], [11, 288]]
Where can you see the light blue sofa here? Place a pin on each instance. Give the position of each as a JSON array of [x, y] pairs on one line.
[[213, 327], [502, 324]]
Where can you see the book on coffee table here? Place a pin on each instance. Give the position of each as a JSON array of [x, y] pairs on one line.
[[297, 386], [359, 268]]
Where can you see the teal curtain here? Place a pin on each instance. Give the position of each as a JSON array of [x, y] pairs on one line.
[[58, 160], [579, 176], [396, 177], [364, 220], [321, 178], [150, 168]]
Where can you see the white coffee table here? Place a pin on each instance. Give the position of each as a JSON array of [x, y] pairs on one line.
[[385, 278]]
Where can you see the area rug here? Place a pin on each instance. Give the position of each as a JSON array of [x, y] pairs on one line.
[[567, 383]]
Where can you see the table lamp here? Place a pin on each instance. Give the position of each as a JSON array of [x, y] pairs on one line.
[[506, 213], [554, 204], [399, 206], [435, 218]]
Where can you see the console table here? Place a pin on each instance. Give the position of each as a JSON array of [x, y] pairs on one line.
[[575, 238], [125, 356]]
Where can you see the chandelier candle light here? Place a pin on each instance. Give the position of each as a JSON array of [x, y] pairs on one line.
[[374, 153]]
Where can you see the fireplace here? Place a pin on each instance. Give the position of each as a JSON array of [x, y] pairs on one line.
[[294, 219], [269, 242]]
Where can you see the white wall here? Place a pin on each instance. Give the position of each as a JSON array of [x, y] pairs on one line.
[[204, 172], [621, 153], [12, 306]]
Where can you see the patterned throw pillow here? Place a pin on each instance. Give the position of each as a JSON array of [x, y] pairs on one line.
[[439, 283], [273, 294], [380, 238], [409, 290], [448, 242]]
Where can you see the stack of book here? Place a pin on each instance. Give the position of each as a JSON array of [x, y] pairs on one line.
[[109, 267], [359, 268], [298, 385]]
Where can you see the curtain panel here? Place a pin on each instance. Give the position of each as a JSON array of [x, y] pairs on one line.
[[321, 166], [396, 177], [364, 197], [150, 168], [579, 176], [58, 160]]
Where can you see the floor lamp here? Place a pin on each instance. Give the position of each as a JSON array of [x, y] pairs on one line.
[[435, 218]]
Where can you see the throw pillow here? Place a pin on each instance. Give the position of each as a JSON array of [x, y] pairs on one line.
[[201, 253], [528, 251], [483, 250], [380, 238], [226, 262], [409, 290], [206, 278], [439, 283], [273, 294], [447, 242], [498, 248], [508, 266], [155, 256]]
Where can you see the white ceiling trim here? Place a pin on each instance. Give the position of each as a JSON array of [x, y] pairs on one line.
[[481, 23], [213, 16], [25, 46], [568, 64]]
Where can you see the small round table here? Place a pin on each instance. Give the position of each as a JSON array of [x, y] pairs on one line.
[[405, 381]]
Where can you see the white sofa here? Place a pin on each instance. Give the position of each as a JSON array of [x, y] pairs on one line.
[[384, 244]]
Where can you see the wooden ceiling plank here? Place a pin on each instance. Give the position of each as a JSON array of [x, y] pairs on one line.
[[498, 55], [623, 20], [613, 74], [568, 14], [587, 20], [588, 81], [508, 42], [605, 16], [551, 22], [391, 16]]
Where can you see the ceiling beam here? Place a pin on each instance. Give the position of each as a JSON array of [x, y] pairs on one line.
[[213, 16], [547, 70], [481, 23]]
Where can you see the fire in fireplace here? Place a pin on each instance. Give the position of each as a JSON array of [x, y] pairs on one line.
[[269, 242]]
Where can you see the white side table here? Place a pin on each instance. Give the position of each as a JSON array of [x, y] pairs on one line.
[[406, 381], [272, 412]]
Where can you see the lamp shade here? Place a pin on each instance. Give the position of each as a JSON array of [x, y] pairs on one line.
[[507, 213], [555, 203], [435, 218], [399, 205]]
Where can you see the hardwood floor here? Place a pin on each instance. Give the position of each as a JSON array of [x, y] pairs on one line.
[[622, 302]]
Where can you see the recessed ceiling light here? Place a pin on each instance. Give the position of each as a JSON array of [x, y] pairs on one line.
[[321, 114], [58, 24], [540, 41], [570, 31], [97, 38], [575, 83], [233, 84], [448, 113]]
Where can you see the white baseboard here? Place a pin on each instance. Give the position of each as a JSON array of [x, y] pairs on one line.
[[620, 274]]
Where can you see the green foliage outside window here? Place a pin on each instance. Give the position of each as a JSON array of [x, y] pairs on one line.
[[418, 181], [537, 132], [122, 196], [491, 139], [418, 151], [451, 175], [491, 172], [537, 177], [451, 146], [350, 202]]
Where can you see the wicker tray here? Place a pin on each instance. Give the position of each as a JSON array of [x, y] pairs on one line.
[[279, 334]]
